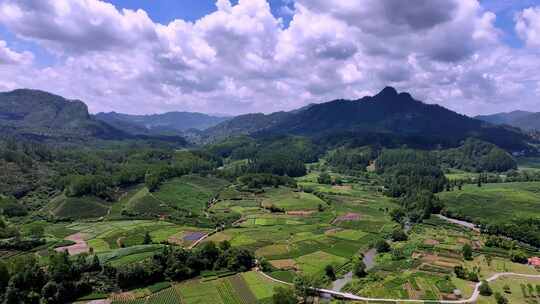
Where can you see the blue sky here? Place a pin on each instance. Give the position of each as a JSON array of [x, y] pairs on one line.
[[164, 11], [472, 56]]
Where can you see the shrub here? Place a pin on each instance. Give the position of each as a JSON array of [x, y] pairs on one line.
[[485, 289]]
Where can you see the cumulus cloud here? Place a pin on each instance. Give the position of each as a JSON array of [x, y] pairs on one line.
[[241, 58], [8, 56], [76, 26], [528, 26]]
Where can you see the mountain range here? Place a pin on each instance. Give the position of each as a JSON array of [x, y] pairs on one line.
[[387, 114], [392, 116], [166, 123], [521, 119]]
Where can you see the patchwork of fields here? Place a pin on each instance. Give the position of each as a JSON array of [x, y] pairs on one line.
[[245, 288], [298, 231], [310, 240]]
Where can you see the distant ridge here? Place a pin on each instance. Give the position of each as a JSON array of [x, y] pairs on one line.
[[166, 123], [389, 113], [521, 119]]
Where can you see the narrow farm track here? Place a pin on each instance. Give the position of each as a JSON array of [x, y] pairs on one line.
[[472, 299]]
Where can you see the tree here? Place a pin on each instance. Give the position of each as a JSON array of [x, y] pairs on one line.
[[324, 178], [382, 246], [4, 276], [485, 289], [500, 298], [330, 273], [96, 264], [147, 238], [224, 245], [359, 267], [283, 295], [399, 235], [36, 231], [467, 252], [303, 286], [152, 181], [519, 257]]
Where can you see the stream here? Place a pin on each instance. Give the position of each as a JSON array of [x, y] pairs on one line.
[[369, 260]]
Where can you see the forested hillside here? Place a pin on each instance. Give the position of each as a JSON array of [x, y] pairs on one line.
[[386, 117]]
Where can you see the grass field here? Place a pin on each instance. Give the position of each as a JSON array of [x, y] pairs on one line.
[[289, 200], [495, 202]]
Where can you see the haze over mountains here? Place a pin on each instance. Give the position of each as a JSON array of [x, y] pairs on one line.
[[166, 123], [521, 119], [389, 116]]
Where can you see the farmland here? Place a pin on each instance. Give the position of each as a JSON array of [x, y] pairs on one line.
[[495, 202], [298, 231], [246, 288]]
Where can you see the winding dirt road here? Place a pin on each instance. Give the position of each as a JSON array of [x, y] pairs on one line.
[[472, 299]]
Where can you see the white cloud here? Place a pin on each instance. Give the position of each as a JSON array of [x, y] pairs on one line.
[[528, 26], [8, 56], [241, 58]]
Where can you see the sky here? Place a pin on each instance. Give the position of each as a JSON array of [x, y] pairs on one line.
[[243, 56]]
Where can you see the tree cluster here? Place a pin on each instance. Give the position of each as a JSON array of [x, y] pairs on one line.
[[179, 264], [62, 281]]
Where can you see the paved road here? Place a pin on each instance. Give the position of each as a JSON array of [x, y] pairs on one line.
[[472, 299]]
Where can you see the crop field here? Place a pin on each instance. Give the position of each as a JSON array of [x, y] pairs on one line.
[[238, 289], [77, 207], [143, 202], [288, 200], [495, 202], [315, 262], [260, 286], [188, 194]]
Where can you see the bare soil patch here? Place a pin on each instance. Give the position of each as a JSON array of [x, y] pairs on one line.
[[348, 217], [123, 296], [287, 264], [301, 212], [431, 242], [80, 245], [332, 231], [342, 187]]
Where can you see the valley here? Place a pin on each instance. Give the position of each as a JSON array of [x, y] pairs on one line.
[[263, 217]]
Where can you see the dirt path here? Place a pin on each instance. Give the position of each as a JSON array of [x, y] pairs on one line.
[[472, 299], [459, 222]]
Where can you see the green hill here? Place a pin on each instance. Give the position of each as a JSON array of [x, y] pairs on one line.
[[42, 115]]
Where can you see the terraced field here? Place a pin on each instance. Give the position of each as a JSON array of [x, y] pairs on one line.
[[246, 288]]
